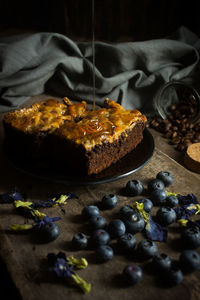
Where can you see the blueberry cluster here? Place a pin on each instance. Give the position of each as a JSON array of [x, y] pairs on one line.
[[157, 196], [172, 272], [131, 221]]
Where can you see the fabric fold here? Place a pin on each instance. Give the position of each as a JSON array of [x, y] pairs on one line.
[[129, 73]]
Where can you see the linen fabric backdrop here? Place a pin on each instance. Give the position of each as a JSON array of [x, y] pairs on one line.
[[130, 73]]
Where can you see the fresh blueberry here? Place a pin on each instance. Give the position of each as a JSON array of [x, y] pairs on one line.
[[134, 222], [172, 201], [132, 274], [147, 249], [124, 210], [47, 233], [190, 238], [190, 260], [158, 197], [155, 184], [116, 228], [97, 222], [173, 276], [166, 215], [126, 243], [104, 253], [162, 262], [166, 177], [134, 188], [147, 204], [109, 201], [90, 211], [79, 241], [100, 237]]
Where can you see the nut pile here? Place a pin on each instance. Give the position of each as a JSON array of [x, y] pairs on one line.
[[179, 127]]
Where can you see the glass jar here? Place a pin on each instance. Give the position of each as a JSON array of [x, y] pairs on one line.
[[175, 92]]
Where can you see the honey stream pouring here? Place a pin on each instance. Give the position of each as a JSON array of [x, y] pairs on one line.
[[93, 56]]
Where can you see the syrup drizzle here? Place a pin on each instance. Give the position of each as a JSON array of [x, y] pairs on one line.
[[93, 56]]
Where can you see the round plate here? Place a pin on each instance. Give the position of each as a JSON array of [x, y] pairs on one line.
[[127, 165]]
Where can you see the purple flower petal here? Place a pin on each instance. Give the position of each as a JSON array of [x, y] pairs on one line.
[[11, 196], [183, 212], [61, 268], [189, 199], [155, 231], [50, 202], [45, 220]]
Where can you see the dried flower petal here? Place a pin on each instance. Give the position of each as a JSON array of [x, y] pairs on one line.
[[188, 199], [78, 263], [185, 211], [43, 204], [18, 227], [27, 208], [171, 194], [140, 208], [197, 206], [63, 268], [155, 231], [25, 204], [85, 287], [11, 196], [45, 220], [183, 222]]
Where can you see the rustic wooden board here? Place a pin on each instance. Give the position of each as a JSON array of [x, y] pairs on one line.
[[26, 261]]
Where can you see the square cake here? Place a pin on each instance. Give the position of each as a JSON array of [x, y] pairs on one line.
[[71, 135]]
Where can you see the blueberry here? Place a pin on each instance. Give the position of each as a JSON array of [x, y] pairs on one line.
[[134, 188], [116, 228], [166, 177], [147, 204], [134, 222], [47, 233], [79, 241], [104, 253], [147, 249], [190, 260], [126, 243], [173, 276], [90, 211], [190, 238], [124, 210], [132, 274], [158, 197], [162, 262], [166, 215], [172, 201], [155, 184], [100, 237], [97, 222], [109, 201]]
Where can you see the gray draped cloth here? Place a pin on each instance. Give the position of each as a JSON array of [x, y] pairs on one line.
[[129, 73]]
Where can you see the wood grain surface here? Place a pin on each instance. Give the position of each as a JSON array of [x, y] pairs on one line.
[[26, 261]]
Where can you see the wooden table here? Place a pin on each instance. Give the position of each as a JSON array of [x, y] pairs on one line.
[[26, 261]]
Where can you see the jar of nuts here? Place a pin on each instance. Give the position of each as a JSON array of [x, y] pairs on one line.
[[178, 114]]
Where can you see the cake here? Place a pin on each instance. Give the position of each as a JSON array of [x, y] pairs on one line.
[[71, 135]]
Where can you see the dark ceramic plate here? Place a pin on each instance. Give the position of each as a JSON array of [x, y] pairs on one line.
[[129, 164]]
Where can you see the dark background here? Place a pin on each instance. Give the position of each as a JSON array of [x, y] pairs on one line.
[[115, 20]]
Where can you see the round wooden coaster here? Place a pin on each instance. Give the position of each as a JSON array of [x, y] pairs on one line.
[[192, 157]]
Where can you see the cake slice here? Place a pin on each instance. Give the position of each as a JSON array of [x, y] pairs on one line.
[[73, 136]]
